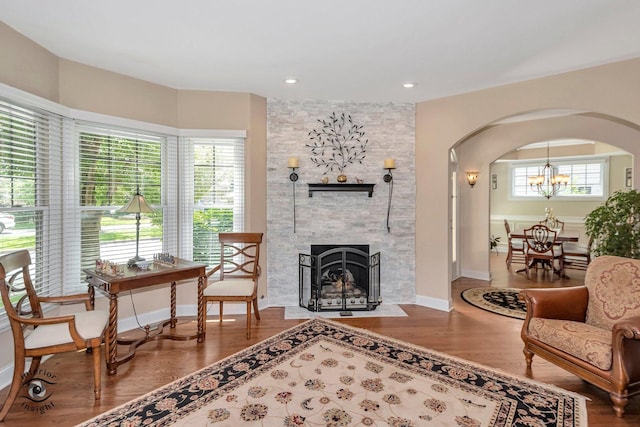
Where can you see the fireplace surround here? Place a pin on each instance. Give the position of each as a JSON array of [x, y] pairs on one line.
[[339, 278]]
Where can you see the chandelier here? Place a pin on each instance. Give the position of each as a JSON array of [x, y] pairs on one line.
[[547, 183]]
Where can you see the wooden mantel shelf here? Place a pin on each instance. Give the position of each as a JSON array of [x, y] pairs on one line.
[[341, 187]]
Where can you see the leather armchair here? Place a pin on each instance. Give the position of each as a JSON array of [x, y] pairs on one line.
[[592, 331]]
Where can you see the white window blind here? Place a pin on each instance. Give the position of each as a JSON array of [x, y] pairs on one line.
[[30, 192], [587, 178], [218, 193], [113, 165]]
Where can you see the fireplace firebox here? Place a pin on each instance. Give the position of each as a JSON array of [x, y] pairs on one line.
[[339, 278]]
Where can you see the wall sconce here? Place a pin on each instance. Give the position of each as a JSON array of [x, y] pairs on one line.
[[293, 164], [389, 165], [472, 177]]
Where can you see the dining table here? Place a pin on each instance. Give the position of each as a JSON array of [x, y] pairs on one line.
[[561, 237]]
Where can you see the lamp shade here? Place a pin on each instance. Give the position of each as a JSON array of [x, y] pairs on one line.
[[137, 204]]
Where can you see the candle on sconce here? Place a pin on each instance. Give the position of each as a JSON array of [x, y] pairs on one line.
[[293, 162], [389, 164]]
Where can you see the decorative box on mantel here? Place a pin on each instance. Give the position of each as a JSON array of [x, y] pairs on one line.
[[368, 188]]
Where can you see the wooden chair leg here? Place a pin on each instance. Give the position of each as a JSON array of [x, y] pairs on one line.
[[248, 319], [96, 353], [16, 383], [220, 303], [255, 308]]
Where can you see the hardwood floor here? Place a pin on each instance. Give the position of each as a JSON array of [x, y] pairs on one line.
[[466, 332]]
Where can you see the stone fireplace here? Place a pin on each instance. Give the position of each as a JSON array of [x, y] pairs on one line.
[[339, 278]]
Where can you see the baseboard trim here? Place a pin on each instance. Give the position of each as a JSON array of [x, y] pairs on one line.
[[435, 303]]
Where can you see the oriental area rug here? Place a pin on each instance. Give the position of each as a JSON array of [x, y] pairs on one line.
[[324, 373], [503, 301]]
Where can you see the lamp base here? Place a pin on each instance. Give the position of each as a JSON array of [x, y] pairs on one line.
[[134, 260]]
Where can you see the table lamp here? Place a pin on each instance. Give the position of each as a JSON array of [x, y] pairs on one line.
[[136, 205]]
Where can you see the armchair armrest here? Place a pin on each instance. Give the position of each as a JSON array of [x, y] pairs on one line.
[[556, 303], [70, 320], [626, 351], [69, 299]]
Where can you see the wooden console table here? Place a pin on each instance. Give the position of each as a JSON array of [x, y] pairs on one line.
[[134, 278]]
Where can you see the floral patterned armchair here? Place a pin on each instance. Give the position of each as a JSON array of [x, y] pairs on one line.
[[592, 331]]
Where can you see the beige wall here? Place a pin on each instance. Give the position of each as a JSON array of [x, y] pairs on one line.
[[610, 91]]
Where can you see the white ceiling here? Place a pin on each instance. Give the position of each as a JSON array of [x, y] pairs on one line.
[[356, 50]]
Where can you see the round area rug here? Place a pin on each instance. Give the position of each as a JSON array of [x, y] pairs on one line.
[[503, 301]]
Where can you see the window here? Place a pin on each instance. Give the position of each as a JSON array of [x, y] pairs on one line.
[[63, 181], [114, 164], [30, 194], [587, 178], [218, 193]]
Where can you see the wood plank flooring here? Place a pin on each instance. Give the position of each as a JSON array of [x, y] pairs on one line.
[[466, 332]]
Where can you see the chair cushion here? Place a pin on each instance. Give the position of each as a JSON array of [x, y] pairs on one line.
[[230, 287], [575, 248], [614, 290], [586, 342], [89, 324]]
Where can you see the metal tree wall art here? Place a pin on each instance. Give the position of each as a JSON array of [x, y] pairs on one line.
[[337, 144]]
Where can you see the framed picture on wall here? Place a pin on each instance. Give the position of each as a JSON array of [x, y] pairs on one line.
[[494, 181], [628, 177]]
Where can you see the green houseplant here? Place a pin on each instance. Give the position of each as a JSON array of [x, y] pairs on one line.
[[615, 226]]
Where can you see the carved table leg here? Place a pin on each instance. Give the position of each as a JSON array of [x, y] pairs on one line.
[[202, 283], [112, 335], [173, 305]]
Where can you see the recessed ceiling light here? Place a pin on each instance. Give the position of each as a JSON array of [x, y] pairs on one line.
[[291, 81], [409, 85]]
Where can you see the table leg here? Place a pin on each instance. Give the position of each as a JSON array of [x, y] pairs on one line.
[[112, 335], [92, 297], [173, 305], [202, 283]]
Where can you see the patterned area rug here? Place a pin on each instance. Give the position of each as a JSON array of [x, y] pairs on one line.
[[502, 301], [324, 373]]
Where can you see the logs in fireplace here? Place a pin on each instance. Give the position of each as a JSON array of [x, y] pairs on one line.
[[339, 278]]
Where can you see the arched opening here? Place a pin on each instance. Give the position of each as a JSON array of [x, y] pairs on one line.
[[494, 141]]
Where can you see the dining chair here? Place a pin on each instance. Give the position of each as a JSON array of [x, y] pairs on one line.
[[235, 278], [576, 256], [554, 224], [515, 249], [35, 335], [542, 249]]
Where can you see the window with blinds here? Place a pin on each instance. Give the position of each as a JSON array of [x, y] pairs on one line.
[[113, 165], [31, 194], [218, 193], [587, 178]]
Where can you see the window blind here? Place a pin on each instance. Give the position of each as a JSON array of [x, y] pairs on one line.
[[216, 167], [30, 192], [113, 165]]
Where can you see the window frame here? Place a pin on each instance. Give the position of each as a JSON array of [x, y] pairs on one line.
[[603, 161]]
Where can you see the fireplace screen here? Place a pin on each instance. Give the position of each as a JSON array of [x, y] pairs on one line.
[[339, 278]]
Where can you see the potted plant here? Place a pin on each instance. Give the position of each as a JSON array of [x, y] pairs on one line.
[[493, 243], [615, 226]]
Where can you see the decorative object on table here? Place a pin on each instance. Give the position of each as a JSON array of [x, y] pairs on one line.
[[109, 267], [144, 265], [389, 165], [338, 143], [493, 243], [472, 178], [164, 258], [323, 372], [325, 180], [548, 183], [293, 177], [136, 205], [359, 181], [502, 301], [615, 225]]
